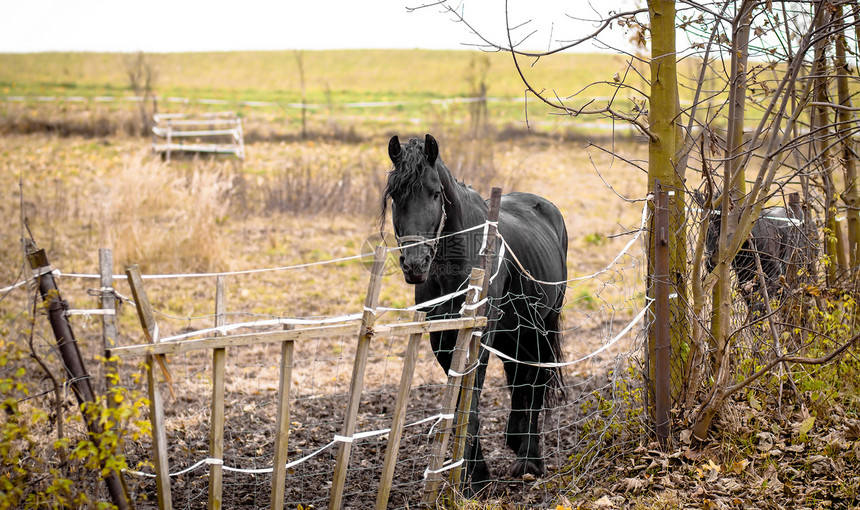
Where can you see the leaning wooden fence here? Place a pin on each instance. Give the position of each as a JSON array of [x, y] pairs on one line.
[[219, 133], [366, 332]]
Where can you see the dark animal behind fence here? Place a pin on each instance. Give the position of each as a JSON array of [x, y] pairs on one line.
[[777, 237], [427, 201]]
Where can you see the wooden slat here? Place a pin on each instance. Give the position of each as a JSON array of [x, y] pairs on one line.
[[282, 433], [147, 319], [452, 389], [180, 346], [357, 382], [409, 328], [384, 330], [399, 417], [196, 132], [156, 407], [224, 148], [216, 420]]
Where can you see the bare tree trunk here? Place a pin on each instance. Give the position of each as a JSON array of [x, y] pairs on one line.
[[820, 131], [851, 195], [664, 153], [737, 99], [748, 211], [734, 187]]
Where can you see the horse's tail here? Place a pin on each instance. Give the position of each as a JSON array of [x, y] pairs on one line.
[[555, 394]]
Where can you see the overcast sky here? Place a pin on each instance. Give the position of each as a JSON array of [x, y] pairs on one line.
[[178, 25]]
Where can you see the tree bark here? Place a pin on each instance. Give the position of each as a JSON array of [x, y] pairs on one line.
[[851, 195], [665, 155]]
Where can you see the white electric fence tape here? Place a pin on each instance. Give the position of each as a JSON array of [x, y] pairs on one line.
[[436, 418]]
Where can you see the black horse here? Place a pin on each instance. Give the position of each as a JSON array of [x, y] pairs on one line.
[[776, 237], [426, 202]]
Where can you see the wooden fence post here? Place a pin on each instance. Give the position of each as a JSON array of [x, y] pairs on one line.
[[73, 362], [169, 137], [662, 342], [488, 264], [357, 382], [279, 466], [107, 301], [452, 390], [156, 406], [399, 417], [216, 415]]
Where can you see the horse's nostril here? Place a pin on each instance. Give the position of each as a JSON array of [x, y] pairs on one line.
[[402, 259], [426, 259]]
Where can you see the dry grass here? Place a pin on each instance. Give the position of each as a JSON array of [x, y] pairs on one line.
[[200, 214], [170, 222]]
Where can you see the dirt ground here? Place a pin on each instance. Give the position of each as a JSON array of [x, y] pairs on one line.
[[596, 310], [317, 407]]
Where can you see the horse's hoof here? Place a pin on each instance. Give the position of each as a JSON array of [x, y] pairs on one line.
[[478, 481], [475, 488], [520, 467]]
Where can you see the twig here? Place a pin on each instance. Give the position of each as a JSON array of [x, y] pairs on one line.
[[792, 359]]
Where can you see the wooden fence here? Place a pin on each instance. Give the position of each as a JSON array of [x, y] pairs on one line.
[[366, 331], [200, 133]]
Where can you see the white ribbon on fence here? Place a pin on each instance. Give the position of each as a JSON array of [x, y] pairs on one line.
[[593, 275], [605, 346], [436, 418], [57, 273]]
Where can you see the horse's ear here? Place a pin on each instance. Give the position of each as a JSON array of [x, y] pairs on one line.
[[395, 151], [431, 149]]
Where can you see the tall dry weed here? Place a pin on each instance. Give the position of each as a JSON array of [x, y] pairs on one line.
[[323, 184], [165, 220]]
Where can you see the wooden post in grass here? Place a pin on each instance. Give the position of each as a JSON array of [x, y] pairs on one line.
[[399, 417], [357, 382], [107, 301], [79, 379], [452, 390], [216, 415], [279, 466], [156, 406], [169, 138]]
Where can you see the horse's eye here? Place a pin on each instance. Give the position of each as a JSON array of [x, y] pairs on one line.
[[437, 195]]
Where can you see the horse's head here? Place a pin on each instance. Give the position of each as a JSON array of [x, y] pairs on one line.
[[417, 204]]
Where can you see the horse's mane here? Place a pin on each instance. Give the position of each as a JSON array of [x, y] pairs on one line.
[[404, 180]]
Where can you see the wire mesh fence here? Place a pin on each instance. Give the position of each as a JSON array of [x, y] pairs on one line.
[[771, 294], [601, 405]]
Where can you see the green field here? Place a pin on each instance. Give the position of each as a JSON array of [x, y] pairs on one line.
[[413, 79], [358, 75]]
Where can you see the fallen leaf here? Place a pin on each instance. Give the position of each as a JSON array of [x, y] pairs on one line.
[[686, 436], [765, 441], [632, 485], [740, 466], [604, 502], [805, 427]]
